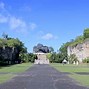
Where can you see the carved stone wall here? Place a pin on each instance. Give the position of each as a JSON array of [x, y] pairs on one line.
[[41, 59], [9, 54], [81, 50]]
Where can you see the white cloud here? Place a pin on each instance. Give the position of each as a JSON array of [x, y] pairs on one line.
[[15, 23], [48, 36], [33, 26], [2, 5], [18, 25], [3, 19]]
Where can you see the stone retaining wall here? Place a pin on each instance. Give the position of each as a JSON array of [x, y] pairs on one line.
[[9, 54]]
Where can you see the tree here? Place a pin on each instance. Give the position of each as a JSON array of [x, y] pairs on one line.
[[49, 56], [72, 58], [86, 33], [86, 60], [63, 51], [58, 58], [27, 57], [13, 47], [32, 57], [3, 42], [54, 57], [24, 57], [77, 40], [51, 50], [63, 48]]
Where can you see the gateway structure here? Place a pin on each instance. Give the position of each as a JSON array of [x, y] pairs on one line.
[[41, 52], [41, 58]]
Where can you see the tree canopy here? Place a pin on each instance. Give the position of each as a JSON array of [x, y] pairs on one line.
[[12, 42], [74, 42], [86, 33]]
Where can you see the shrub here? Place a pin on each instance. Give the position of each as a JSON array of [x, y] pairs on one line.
[[72, 58], [86, 60]]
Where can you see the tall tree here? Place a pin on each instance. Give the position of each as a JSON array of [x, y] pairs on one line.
[[51, 50], [72, 58], [86, 33], [63, 51]]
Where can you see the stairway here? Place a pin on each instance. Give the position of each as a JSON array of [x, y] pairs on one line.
[[41, 59]]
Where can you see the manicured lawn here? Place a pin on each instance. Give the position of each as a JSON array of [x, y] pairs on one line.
[[16, 68], [9, 72], [83, 79], [73, 69], [5, 77]]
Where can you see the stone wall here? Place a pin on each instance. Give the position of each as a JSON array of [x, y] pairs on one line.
[[9, 54], [81, 50], [41, 59]]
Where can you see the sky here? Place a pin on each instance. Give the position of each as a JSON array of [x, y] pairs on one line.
[[49, 22]]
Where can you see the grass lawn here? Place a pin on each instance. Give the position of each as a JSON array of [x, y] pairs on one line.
[[83, 79], [71, 68], [10, 70], [16, 68], [5, 77]]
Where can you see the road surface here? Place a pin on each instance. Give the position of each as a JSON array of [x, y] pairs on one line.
[[41, 77]]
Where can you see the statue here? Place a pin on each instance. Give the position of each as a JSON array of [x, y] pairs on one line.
[[4, 35]]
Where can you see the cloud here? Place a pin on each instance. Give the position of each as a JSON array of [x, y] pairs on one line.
[[33, 26], [20, 25], [48, 36], [2, 5], [3, 19], [15, 23]]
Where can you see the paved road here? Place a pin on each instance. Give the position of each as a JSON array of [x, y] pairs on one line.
[[41, 77]]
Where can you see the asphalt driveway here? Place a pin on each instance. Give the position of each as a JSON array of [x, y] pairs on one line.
[[41, 77]]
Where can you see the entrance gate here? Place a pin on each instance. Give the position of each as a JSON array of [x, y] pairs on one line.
[[42, 59]]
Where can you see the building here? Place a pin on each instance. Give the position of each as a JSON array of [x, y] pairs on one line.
[[41, 52]]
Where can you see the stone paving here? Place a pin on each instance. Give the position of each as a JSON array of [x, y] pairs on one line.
[[41, 77]]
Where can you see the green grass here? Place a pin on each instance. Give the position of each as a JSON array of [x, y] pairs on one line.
[[10, 70], [71, 68], [5, 77], [83, 79], [16, 68]]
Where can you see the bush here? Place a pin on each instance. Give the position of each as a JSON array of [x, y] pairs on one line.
[[86, 60], [54, 58], [72, 58]]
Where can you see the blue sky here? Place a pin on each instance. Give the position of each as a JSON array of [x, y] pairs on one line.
[[50, 22]]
